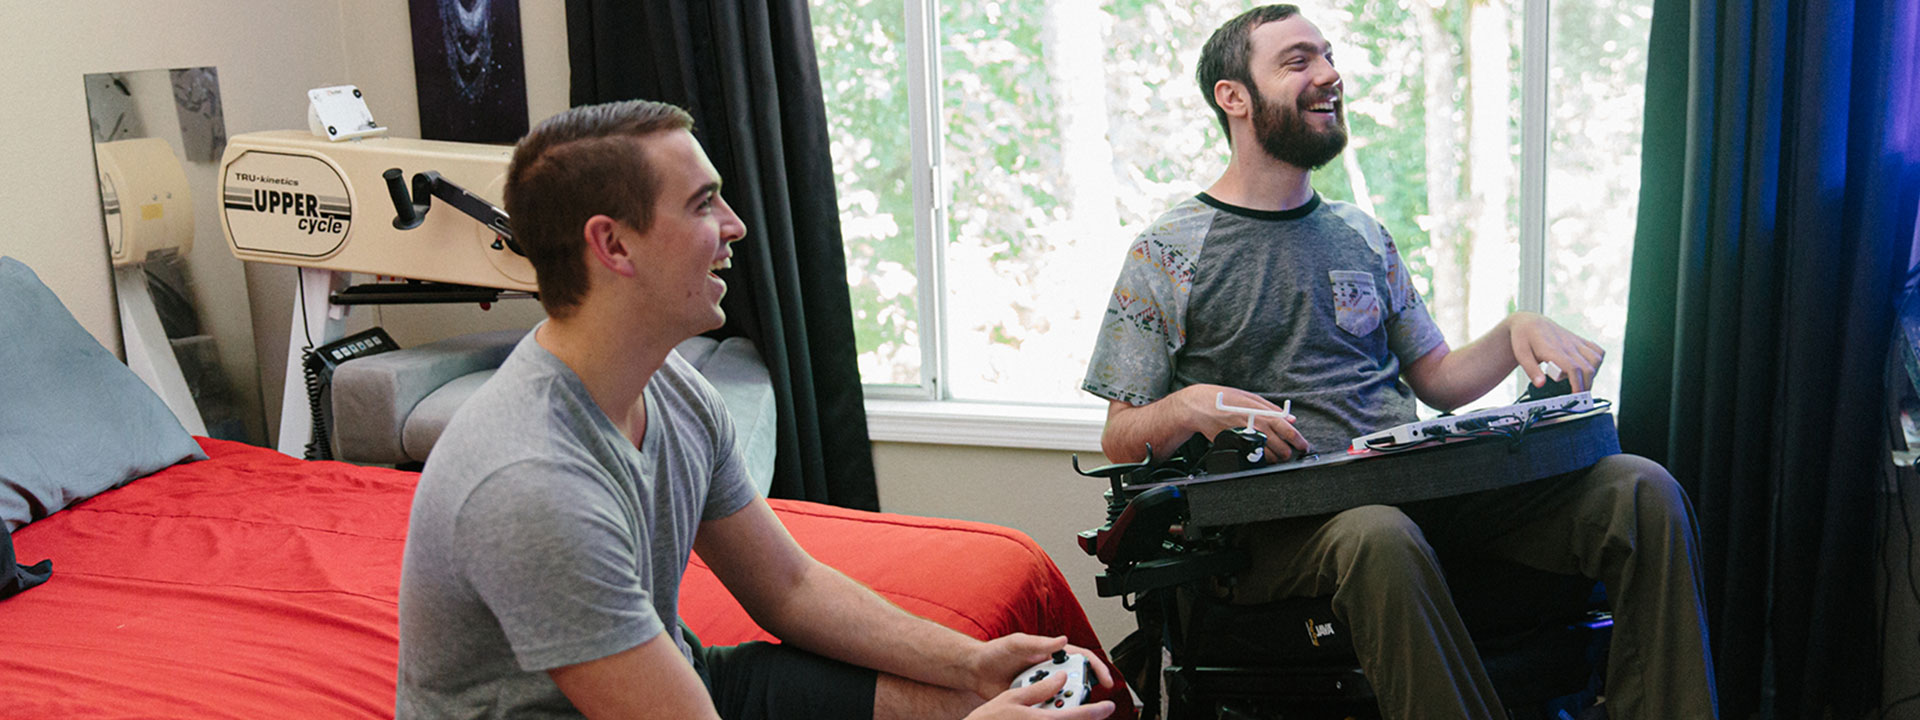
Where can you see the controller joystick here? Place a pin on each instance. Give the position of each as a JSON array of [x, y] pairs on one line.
[[1243, 447], [1234, 450], [1558, 383], [1079, 679]]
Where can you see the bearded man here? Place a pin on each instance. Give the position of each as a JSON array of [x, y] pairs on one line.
[[1260, 290]]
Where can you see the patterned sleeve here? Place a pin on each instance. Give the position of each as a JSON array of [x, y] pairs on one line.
[[1144, 325], [1411, 332]]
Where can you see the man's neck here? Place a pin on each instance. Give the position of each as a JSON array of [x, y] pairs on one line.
[[1256, 181], [614, 362]]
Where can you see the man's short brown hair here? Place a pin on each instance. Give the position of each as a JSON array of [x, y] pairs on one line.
[[1227, 53], [580, 163]]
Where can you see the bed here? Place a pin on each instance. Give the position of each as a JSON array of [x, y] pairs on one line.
[[250, 584], [255, 585]]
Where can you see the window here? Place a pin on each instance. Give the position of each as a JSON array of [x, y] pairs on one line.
[[995, 159]]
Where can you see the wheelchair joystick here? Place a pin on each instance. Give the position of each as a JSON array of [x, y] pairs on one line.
[[1244, 447], [1234, 450]]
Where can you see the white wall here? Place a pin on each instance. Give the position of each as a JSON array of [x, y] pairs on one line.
[[49, 209]]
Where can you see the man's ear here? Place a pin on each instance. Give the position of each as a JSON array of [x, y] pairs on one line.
[[610, 243], [1232, 98]]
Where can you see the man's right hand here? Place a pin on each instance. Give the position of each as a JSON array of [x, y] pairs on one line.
[[1167, 422], [1018, 703]]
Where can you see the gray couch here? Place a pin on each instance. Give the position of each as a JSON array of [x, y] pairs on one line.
[[390, 408]]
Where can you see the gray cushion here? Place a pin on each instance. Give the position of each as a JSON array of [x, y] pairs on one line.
[[74, 421], [373, 396], [735, 369], [392, 407], [430, 417]]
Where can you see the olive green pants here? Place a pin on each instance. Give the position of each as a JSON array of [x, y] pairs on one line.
[[1624, 522]]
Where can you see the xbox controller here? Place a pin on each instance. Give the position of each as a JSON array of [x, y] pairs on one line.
[[1074, 693]]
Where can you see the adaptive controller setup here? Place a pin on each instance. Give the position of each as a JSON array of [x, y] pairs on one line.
[[1244, 447], [1074, 693]]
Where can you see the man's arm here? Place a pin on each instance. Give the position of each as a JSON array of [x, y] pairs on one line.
[[651, 680], [1445, 379], [1169, 421], [815, 607], [654, 680]]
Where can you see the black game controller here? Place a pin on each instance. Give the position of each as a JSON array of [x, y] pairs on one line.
[[1552, 387]]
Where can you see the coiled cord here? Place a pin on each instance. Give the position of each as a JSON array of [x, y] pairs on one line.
[[320, 446]]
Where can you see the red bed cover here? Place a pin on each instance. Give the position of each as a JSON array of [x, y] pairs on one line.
[[255, 585]]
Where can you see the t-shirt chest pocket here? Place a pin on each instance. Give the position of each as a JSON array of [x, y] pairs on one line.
[[1356, 302]]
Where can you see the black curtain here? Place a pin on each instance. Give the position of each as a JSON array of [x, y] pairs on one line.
[[746, 71], [1781, 168]]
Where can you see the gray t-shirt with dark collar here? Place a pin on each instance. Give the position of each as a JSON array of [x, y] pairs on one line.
[[1311, 305], [541, 537]]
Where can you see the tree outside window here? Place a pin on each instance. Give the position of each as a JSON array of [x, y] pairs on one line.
[[1066, 126]]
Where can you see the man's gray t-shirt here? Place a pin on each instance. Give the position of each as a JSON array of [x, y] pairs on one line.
[[1311, 305], [541, 537]]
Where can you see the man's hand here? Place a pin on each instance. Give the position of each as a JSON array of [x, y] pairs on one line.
[[1002, 659], [1202, 404], [1167, 422], [1445, 379], [1019, 702], [1537, 339]]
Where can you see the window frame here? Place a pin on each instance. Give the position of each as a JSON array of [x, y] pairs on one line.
[[927, 412]]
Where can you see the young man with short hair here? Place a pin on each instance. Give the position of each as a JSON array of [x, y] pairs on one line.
[[553, 522], [1263, 291]]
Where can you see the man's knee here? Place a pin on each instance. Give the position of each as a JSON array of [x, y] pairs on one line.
[[1650, 490], [1648, 510], [1378, 539]]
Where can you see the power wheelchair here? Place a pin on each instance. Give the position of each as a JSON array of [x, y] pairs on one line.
[[1540, 635]]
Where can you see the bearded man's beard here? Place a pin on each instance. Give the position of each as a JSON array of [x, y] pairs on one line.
[[1284, 133]]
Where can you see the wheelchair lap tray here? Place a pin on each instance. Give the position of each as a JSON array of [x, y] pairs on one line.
[[1222, 487]]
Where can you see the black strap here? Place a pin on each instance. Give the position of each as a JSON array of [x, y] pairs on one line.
[[14, 577]]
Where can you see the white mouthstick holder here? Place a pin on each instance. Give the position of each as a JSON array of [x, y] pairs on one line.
[[340, 113], [1286, 410]]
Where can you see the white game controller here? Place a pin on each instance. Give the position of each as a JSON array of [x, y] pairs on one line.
[[1074, 693]]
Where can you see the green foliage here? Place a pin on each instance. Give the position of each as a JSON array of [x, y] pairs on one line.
[[1018, 183]]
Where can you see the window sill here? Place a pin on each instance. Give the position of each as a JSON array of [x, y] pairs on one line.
[[981, 424]]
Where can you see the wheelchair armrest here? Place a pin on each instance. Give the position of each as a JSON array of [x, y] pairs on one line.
[[1140, 529], [1141, 552]]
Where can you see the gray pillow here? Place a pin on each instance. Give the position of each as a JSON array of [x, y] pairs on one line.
[[74, 421]]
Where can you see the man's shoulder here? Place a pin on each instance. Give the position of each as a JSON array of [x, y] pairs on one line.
[[1185, 223], [526, 413], [1360, 223], [685, 394], [1171, 244]]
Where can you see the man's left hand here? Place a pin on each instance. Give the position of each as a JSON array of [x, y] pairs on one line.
[[1002, 659], [1537, 339]]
